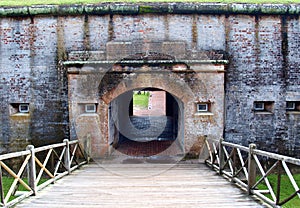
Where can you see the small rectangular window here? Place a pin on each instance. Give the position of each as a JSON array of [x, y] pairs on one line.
[[90, 108], [202, 107], [263, 106], [290, 105], [259, 106], [24, 108], [293, 106]]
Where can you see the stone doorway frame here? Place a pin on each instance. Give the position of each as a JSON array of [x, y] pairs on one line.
[[207, 85]]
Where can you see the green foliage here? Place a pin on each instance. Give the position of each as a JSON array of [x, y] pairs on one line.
[[7, 182], [286, 189], [141, 100], [41, 2]]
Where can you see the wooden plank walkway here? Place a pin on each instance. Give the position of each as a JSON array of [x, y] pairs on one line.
[[141, 185]]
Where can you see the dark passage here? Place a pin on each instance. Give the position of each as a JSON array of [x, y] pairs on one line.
[[147, 142], [146, 131], [143, 149]]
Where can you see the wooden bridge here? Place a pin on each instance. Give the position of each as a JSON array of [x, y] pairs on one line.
[[146, 184], [141, 185]]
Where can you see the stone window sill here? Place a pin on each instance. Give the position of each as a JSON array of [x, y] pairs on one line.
[[89, 114], [293, 112], [204, 114], [20, 116], [263, 113]]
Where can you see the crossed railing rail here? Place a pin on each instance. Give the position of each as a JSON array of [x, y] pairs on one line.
[[261, 173], [25, 173]]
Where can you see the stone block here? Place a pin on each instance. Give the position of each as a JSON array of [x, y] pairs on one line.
[[118, 50], [176, 49]]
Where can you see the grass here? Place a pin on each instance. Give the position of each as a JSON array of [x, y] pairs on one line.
[[286, 189], [7, 181], [141, 100], [59, 2]]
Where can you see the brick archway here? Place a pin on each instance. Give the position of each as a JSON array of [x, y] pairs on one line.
[[101, 84], [115, 83], [116, 87]]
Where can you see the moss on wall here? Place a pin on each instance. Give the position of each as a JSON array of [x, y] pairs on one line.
[[141, 8]]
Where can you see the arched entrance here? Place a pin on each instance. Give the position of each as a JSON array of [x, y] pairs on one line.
[[146, 122], [101, 109]]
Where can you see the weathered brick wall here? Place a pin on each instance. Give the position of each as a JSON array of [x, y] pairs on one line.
[[262, 58], [262, 45], [15, 73], [29, 75], [293, 82]]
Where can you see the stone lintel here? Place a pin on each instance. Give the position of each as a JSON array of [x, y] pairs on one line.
[[293, 96], [183, 66], [186, 61], [82, 101]]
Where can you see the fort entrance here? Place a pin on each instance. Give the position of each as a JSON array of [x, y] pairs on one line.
[[62, 66], [152, 129], [185, 101]]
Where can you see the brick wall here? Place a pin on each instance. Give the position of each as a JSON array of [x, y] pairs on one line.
[[262, 68], [29, 74], [261, 45]]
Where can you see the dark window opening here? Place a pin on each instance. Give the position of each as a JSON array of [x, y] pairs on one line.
[[263, 106], [202, 107], [90, 108], [22, 108], [259, 106], [293, 105]]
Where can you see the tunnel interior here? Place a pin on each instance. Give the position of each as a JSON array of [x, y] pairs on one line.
[[146, 122]]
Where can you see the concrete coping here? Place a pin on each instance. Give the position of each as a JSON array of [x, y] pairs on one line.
[[142, 8], [147, 62]]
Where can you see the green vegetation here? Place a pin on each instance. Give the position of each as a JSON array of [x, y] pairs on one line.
[[286, 189], [7, 181], [141, 99], [41, 2]]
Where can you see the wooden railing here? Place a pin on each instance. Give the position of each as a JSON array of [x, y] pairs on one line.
[[258, 172], [25, 173]]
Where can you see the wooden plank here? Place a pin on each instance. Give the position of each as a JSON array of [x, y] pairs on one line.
[[52, 146], [148, 185], [14, 154], [275, 156]]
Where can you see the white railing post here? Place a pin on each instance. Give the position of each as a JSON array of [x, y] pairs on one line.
[[32, 170], [67, 156], [251, 168], [221, 156]]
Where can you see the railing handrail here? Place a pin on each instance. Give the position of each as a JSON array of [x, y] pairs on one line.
[[66, 154], [235, 145], [276, 156], [227, 159], [14, 154], [43, 148]]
